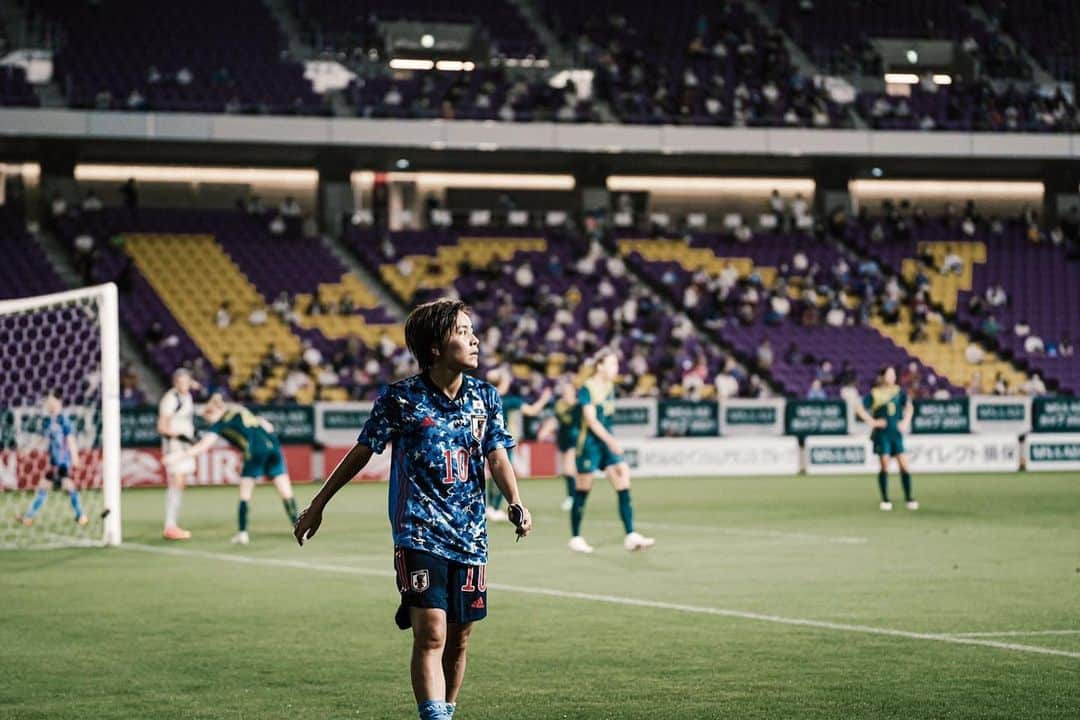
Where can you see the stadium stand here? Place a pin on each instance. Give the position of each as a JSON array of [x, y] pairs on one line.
[[179, 267], [199, 56], [25, 270], [691, 63]]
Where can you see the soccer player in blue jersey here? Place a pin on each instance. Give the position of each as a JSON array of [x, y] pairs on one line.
[[63, 458], [598, 451], [888, 410], [254, 436], [443, 425]]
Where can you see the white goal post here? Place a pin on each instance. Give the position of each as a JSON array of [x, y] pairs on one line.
[[65, 346]]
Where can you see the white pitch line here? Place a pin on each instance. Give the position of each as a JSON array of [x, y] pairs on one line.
[[741, 532], [1014, 633], [620, 600]]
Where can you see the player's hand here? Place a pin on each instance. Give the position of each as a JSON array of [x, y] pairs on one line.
[[615, 446], [521, 517], [307, 524], [879, 423], [904, 427]]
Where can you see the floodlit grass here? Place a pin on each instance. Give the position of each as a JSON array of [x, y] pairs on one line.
[[201, 632]]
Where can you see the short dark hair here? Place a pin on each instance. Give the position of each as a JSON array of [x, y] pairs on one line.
[[429, 325]]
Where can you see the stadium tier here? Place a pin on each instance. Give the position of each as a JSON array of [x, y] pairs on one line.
[[691, 62], [25, 270], [178, 268], [198, 56], [1046, 28]]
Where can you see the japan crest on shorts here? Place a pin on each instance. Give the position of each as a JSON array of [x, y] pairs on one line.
[[419, 581]]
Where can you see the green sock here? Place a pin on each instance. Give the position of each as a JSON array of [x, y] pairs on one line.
[[626, 510], [905, 478], [241, 515], [569, 485], [290, 509], [883, 485], [578, 511]]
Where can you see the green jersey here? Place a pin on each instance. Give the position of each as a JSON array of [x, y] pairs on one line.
[[567, 433], [888, 404], [242, 429], [600, 395]]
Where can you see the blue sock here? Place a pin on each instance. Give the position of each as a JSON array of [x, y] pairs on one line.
[[626, 510], [76, 505], [450, 708], [39, 499], [432, 710]]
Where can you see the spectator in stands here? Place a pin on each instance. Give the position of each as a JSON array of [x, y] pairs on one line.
[[346, 306], [975, 385], [991, 327], [976, 306], [765, 355], [223, 318], [92, 203], [130, 191], [277, 225], [816, 392], [1033, 345], [1021, 329], [184, 76], [317, 307], [1065, 346], [311, 356], [258, 315], [974, 354], [130, 394], [296, 380], [135, 100], [290, 208], [524, 276], [836, 316], [1034, 385], [948, 333], [952, 264], [1001, 385], [996, 296], [57, 205], [226, 369]]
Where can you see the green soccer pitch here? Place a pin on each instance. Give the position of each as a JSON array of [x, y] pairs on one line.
[[763, 598]]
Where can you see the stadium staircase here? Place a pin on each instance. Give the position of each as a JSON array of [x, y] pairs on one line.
[[209, 277]]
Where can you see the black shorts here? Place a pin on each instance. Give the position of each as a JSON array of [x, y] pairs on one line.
[[428, 581], [57, 474]]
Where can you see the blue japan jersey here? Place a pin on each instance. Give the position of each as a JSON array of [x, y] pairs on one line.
[[437, 463], [57, 429]]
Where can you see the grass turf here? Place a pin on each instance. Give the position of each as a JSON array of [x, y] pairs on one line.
[[132, 633]]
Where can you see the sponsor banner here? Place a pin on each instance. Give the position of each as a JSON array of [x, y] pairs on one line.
[[1055, 414], [925, 453], [816, 417], [138, 426], [740, 416], [941, 417], [687, 418], [711, 457], [635, 417], [293, 424], [993, 413], [340, 423], [142, 467], [1043, 452], [23, 469]]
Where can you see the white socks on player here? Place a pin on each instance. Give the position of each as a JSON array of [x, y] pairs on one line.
[[173, 498]]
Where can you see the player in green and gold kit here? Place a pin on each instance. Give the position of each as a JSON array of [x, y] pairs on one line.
[[566, 437], [598, 451], [888, 410], [255, 438]]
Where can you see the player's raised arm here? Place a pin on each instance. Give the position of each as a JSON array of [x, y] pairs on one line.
[[307, 524], [534, 409], [909, 413]]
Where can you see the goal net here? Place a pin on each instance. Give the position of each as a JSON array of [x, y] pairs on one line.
[[60, 420]]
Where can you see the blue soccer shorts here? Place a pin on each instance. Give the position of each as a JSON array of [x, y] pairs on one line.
[[428, 581]]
